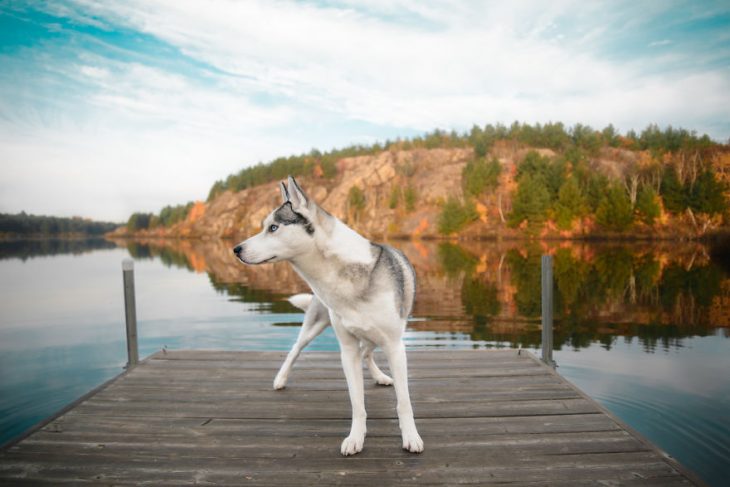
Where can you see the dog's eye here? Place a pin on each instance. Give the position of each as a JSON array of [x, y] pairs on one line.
[[273, 228]]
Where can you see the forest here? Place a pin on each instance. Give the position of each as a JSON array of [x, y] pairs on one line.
[[662, 171], [23, 224]]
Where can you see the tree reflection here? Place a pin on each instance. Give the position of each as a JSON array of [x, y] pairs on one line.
[[653, 295], [601, 293]]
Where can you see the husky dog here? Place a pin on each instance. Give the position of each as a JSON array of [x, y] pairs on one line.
[[367, 288], [316, 319]]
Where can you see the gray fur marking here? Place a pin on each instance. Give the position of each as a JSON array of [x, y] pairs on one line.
[[395, 265], [286, 215]]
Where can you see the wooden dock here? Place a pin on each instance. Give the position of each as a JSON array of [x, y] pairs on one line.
[[198, 417]]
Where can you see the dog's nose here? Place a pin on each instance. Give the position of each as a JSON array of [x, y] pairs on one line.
[[237, 249]]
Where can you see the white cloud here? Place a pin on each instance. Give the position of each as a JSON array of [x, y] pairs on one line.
[[363, 66], [283, 74]]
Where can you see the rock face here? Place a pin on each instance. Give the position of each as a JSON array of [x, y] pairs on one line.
[[402, 196], [429, 175]]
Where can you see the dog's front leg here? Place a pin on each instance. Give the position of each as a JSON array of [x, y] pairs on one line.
[[352, 366], [312, 326], [396, 353]]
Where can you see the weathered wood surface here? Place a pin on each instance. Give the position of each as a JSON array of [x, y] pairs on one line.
[[487, 417]]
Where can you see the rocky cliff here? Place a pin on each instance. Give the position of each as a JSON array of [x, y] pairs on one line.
[[404, 191]]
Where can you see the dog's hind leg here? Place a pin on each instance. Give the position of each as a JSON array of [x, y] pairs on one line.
[[396, 353], [366, 351], [315, 321]]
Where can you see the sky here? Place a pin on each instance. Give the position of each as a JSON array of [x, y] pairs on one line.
[[108, 107]]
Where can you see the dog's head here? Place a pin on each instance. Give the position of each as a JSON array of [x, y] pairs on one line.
[[286, 232]]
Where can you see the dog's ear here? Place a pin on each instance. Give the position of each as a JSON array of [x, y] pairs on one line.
[[296, 195], [284, 192]]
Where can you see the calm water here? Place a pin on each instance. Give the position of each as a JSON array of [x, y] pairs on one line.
[[642, 329]]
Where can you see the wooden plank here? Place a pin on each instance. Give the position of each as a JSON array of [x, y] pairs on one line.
[[211, 417], [413, 355], [74, 423]]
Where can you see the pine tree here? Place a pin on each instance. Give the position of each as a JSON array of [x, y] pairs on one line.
[[707, 195], [647, 205], [571, 204], [673, 194], [614, 211], [531, 201]]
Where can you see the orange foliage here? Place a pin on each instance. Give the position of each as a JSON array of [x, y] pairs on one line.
[[422, 227], [197, 211]]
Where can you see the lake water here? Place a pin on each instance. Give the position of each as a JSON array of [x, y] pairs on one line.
[[643, 329]]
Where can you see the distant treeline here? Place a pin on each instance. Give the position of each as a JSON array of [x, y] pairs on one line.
[[23, 224], [575, 145], [167, 217]]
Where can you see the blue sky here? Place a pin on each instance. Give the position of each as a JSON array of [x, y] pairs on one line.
[[112, 107]]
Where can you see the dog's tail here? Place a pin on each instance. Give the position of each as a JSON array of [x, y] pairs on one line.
[[301, 301]]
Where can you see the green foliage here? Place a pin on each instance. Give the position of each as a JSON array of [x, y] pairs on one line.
[[139, 221], [480, 143], [647, 205], [480, 299], [170, 215], [356, 199], [576, 147], [411, 197], [672, 191], [670, 139], [707, 194], [455, 260], [282, 167], [610, 136], [596, 186], [25, 224], [526, 277], [613, 269], [479, 175], [551, 172], [571, 204], [482, 140], [394, 198], [570, 276], [614, 211], [586, 138], [455, 215], [531, 201]]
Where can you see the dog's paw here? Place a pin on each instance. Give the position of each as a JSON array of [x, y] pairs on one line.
[[279, 382], [352, 444], [412, 442], [384, 380]]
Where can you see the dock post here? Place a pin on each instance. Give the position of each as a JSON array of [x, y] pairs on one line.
[[547, 310], [130, 313]]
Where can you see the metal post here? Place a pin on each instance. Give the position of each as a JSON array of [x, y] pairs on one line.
[[130, 312], [547, 310]]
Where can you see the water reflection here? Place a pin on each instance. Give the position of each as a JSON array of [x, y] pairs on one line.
[[63, 319], [656, 295], [28, 249]]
